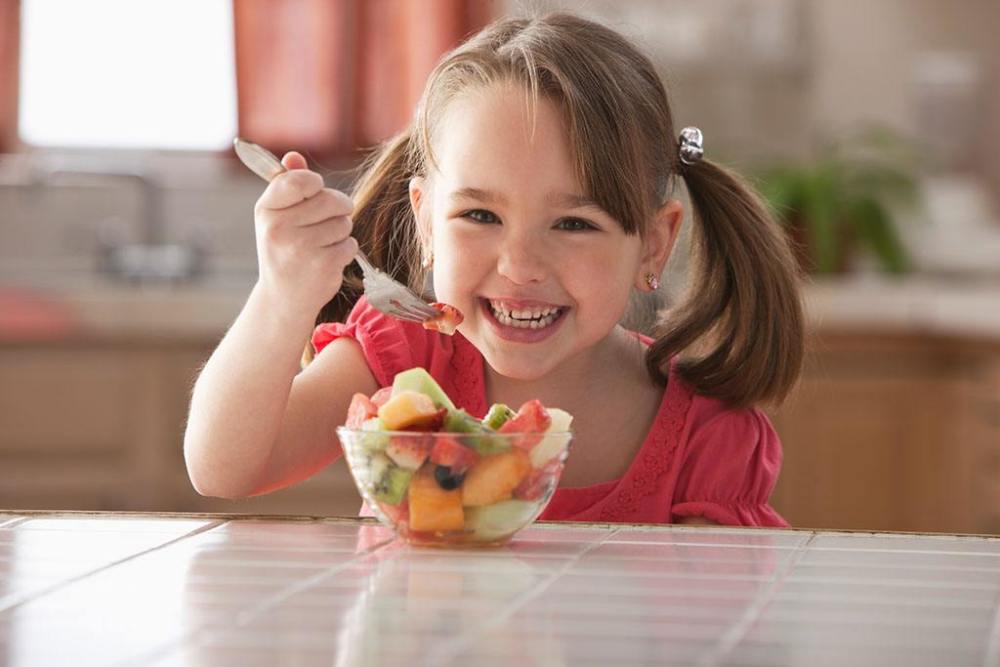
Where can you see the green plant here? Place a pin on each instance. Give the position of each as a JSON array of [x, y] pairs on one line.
[[846, 199]]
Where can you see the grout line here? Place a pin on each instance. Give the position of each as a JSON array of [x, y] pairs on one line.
[[449, 651], [247, 615], [992, 656], [10, 523], [945, 584], [735, 634], [275, 599], [31, 597], [923, 552]]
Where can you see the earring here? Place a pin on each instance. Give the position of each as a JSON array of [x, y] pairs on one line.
[[428, 260], [652, 281]]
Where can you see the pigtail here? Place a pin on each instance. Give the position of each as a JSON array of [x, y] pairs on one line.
[[383, 224], [740, 327]]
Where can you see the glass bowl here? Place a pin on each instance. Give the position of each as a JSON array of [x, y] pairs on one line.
[[469, 489]]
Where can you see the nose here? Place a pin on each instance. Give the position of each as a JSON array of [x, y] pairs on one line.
[[521, 259]]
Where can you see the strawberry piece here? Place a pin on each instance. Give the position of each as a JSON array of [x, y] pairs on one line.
[[382, 396], [360, 410], [532, 419], [450, 453], [447, 321]]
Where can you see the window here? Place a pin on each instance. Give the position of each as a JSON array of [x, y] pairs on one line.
[[126, 74]]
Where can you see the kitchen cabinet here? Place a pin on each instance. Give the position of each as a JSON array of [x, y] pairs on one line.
[[98, 424], [892, 431]]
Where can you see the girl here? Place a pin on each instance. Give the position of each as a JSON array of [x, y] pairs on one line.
[[536, 181]]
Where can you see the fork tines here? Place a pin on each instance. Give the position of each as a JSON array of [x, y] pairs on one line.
[[401, 310]]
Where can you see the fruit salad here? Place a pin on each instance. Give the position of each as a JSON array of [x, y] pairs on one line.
[[447, 320], [440, 476]]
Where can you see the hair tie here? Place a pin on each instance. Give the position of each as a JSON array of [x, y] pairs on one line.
[[692, 145]]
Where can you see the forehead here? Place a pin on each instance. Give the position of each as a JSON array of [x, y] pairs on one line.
[[496, 138]]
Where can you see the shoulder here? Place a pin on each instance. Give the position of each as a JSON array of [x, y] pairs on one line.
[[729, 449], [718, 446], [729, 466], [712, 427]]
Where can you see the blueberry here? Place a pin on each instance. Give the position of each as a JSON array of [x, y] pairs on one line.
[[446, 479]]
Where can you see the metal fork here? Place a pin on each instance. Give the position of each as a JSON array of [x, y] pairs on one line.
[[383, 291]]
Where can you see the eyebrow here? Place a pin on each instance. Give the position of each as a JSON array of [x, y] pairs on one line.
[[564, 200]]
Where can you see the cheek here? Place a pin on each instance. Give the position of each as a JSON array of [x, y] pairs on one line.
[[455, 270], [606, 270]]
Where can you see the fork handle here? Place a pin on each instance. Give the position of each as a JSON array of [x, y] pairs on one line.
[[365, 264]]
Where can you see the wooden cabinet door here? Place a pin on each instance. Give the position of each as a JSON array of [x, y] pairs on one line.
[[873, 439], [66, 426]]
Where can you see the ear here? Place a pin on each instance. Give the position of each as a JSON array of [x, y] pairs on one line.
[[659, 241], [420, 203]]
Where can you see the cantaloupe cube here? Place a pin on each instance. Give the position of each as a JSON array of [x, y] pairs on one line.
[[495, 477], [407, 408], [431, 507]]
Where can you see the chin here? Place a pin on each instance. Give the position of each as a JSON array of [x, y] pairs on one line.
[[522, 372]]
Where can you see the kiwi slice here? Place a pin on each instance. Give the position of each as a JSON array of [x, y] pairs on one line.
[[497, 416]]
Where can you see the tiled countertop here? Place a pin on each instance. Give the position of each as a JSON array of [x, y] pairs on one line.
[[914, 305], [212, 590]]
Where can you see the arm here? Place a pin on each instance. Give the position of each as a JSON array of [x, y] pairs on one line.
[[255, 422]]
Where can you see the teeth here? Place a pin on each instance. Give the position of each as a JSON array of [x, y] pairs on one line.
[[523, 318]]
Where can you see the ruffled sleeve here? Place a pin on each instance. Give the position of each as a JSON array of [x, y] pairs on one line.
[[730, 468], [390, 346]]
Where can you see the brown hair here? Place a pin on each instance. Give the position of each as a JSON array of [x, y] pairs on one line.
[[739, 330]]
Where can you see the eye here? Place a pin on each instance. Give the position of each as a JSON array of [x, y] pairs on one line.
[[481, 216], [576, 225]]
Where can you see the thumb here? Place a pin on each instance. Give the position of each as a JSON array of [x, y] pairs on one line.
[[294, 160]]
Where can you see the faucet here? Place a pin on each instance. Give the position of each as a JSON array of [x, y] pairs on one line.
[[152, 259]]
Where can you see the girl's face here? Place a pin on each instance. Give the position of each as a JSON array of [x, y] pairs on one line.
[[541, 274]]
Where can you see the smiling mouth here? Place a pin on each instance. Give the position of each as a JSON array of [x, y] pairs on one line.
[[534, 317]]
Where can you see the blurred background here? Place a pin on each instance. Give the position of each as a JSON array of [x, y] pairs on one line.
[[126, 227]]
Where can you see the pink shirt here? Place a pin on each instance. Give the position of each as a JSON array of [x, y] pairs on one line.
[[698, 459]]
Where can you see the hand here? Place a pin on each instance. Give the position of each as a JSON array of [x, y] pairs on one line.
[[303, 237]]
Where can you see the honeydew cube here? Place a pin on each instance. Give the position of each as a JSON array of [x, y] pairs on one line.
[[552, 445], [373, 440], [500, 519], [419, 380]]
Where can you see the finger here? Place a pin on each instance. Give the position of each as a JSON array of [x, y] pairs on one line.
[[328, 203], [325, 204], [343, 252], [290, 188], [294, 160], [329, 231]]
